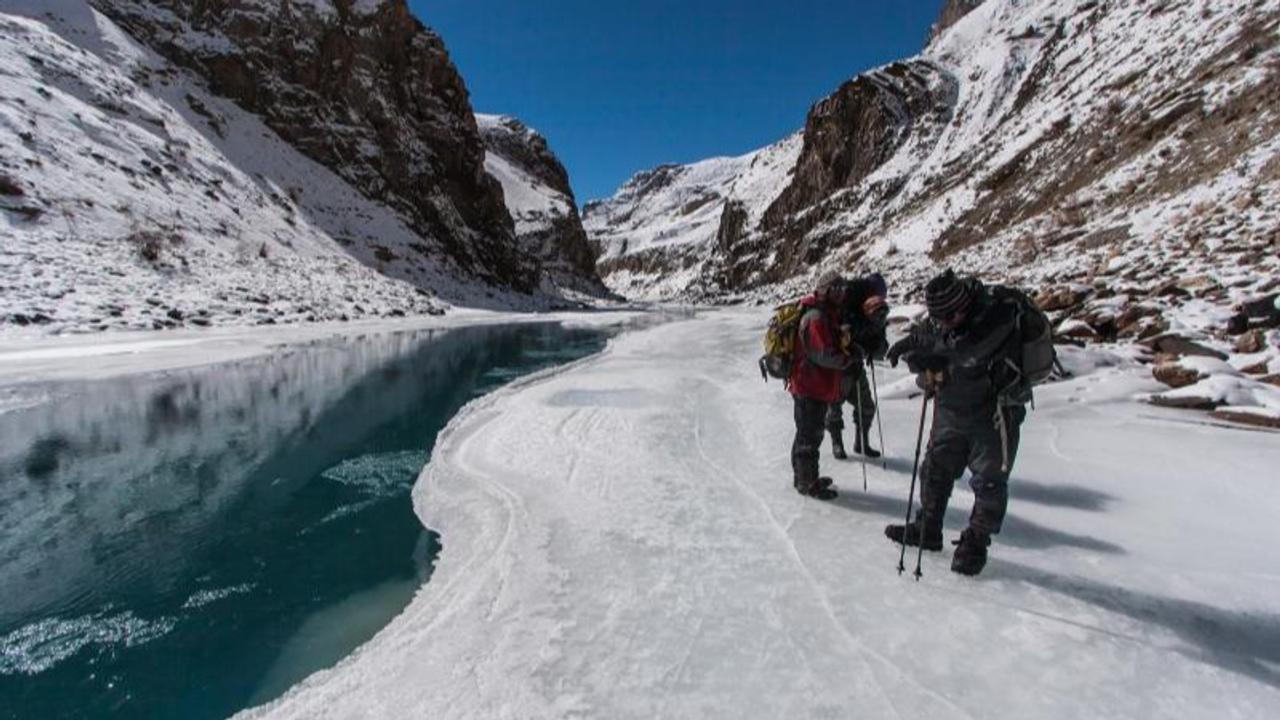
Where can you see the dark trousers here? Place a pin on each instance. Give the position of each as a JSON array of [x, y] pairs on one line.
[[958, 442], [855, 389], [809, 415]]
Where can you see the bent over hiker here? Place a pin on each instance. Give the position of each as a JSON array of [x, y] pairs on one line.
[[863, 315], [814, 382], [968, 352]]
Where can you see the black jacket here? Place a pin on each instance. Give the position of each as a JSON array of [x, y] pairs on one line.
[[869, 337], [975, 355]]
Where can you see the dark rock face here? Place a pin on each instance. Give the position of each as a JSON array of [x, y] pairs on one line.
[[550, 233], [528, 149], [853, 131], [848, 136], [951, 14], [369, 92]]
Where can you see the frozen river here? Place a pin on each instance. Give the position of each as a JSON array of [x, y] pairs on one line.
[[185, 544]]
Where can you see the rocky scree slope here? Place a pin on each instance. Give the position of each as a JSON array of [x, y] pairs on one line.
[[133, 198], [536, 190], [1038, 139], [137, 196], [364, 89], [1122, 157]]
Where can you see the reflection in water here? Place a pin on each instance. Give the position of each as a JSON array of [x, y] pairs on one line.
[[186, 543]]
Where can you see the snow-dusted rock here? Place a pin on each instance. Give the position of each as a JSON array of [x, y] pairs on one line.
[[535, 188], [661, 234], [1036, 141], [364, 89], [142, 201]]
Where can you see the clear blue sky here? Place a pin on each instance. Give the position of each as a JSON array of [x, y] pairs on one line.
[[618, 87]]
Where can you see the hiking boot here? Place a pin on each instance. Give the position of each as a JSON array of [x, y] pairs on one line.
[[820, 488], [971, 552], [910, 534], [862, 445], [837, 446]]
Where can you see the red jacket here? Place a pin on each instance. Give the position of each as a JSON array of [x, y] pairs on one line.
[[816, 368]]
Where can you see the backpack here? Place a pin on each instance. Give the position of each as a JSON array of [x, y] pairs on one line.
[[1036, 357], [780, 341]]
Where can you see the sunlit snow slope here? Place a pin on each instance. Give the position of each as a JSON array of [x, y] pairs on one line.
[[134, 198], [1039, 140], [621, 540]]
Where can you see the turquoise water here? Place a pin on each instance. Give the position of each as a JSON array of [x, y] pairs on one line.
[[190, 544]]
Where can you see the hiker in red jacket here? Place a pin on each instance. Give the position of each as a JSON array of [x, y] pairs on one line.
[[815, 381]]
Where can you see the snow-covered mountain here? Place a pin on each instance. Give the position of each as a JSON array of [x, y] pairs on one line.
[[536, 190], [657, 234], [170, 163], [1109, 145], [364, 89]]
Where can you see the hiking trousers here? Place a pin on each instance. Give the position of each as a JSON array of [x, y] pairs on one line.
[[986, 444], [809, 415], [852, 387]]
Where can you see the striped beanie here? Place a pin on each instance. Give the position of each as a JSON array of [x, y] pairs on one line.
[[946, 294]]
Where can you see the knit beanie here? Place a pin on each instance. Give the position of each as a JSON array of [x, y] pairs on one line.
[[827, 280], [945, 295]]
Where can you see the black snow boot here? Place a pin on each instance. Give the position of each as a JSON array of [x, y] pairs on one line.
[[862, 443], [837, 446], [820, 488], [971, 552], [911, 533]]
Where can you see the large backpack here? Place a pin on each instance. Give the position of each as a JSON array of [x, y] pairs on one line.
[[780, 341], [1036, 358]]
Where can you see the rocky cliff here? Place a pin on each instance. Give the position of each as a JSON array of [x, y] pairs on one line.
[[365, 89], [535, 188], [1041, 141], [667, 232], [952, 12]]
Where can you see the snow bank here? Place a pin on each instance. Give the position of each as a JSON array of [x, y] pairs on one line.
[[621, 540]]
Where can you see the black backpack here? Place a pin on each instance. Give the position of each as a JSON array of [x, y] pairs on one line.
[[1036, 358]]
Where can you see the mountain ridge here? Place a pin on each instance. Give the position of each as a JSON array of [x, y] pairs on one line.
[[1039, 142]]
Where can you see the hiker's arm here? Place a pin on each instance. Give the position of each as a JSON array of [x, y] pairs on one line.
[[821, 347]]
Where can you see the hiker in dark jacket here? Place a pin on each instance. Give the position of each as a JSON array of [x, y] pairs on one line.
[[863, 317], [964, 352], [815, 381]]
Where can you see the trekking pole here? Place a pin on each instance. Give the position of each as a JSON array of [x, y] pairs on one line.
[[932, 381], [858, 427], [911, 494], [875, 395]]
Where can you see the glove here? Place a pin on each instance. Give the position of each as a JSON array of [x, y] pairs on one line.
[[929, 362], [855, 356], [933, 380], [899, 348]]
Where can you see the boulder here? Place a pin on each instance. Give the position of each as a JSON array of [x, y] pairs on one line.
[[1175, 375], [1076, 330], [1258, 368], [1175, 344], [1060, 297], [1246, 418], [1170, 289], [1251, 342], [1186, 402]]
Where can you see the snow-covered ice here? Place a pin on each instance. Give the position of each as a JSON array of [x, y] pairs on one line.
[[621, 540]]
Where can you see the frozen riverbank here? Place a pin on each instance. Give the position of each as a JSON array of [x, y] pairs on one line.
[[621, 540]]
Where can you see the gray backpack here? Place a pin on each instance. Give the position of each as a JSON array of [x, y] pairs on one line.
[[1038, 358]]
